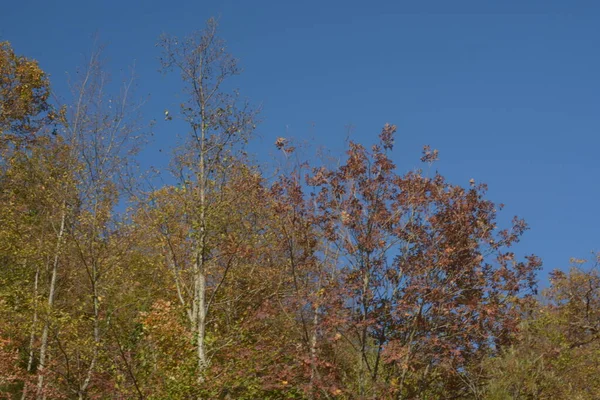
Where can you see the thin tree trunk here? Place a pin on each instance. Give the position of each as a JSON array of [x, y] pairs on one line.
[[33, 325], [33, 320], [313, 353], [200, 270], [201, 327], [96, 304], [94, 276], [201, 310], [363, 335], [51, 293]]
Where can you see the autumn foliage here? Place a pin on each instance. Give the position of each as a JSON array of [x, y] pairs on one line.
[[318, 281]]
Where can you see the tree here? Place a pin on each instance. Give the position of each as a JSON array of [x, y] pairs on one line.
[[427, 286], [217, 124], [558, 352], [34, 222], [75, 178], [25, 114], [104, 136], [309, 267], [350, 281], [24, 93]]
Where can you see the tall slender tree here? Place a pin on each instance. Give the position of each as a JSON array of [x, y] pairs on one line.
[[104, 135], [217, 122]]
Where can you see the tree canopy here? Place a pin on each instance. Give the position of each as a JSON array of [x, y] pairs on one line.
[[351, 281]]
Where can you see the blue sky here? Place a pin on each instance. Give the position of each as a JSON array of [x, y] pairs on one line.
[[508, 91]]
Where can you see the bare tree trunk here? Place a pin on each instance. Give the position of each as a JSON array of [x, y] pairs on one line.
[[201, 327], [33, 320], [96, 306], [363, 336], [313, 352], [199, 312], [33, 326], [51, 293], [200, 270]]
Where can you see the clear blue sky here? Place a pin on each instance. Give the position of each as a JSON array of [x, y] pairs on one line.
[[508, 91]]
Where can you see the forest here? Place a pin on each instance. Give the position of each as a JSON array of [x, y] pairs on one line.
[[307, 279]]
